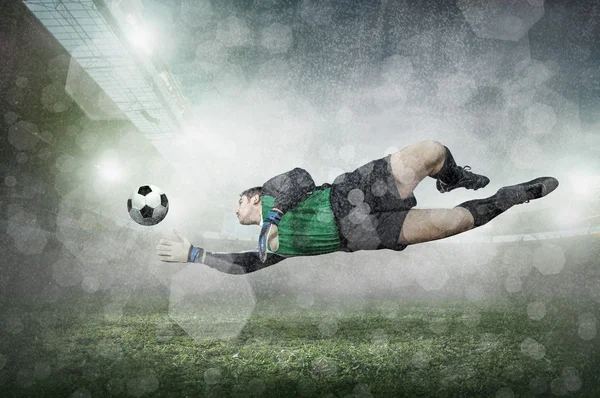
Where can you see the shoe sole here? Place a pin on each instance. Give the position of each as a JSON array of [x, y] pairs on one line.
[[442, 190], [505, 194]]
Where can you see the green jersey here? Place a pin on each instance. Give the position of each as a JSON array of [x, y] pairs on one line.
[[309, 229]]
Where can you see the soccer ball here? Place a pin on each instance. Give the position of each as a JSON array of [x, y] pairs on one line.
[[148, 205]]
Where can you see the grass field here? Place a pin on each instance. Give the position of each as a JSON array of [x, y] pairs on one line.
[[395, 348]]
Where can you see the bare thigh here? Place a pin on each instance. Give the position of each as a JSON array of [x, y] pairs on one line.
[[425, 225], [413, 163]]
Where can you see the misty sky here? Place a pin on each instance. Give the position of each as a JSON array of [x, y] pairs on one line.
[[327, 86]]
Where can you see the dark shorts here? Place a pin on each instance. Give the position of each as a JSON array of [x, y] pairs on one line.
[[368, 207]]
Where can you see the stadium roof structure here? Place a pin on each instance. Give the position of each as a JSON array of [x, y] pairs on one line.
[[140, 86]]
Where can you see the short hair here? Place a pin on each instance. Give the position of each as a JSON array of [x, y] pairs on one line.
[[249, 193]]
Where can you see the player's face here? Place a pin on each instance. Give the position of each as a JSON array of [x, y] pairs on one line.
[[246, 212]]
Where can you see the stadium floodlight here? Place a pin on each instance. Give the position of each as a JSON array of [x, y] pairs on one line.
[[141, 38], [109, 170], [584, 186]]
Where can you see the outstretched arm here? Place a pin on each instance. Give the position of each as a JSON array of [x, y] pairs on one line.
[[233, 263], [182, 251]]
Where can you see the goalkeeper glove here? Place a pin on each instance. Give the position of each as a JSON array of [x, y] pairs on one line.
[[272, 221]]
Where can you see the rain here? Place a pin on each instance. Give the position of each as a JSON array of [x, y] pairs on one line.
[[206, 99]]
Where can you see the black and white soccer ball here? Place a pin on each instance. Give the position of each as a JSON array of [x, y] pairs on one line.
[[148, 205]]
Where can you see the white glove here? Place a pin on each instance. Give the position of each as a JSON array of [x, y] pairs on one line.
[[173, 251]]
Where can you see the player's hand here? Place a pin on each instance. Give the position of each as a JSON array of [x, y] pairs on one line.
[[174, 251], [272, 221]]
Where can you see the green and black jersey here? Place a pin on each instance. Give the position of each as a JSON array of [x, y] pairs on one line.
[[309, 228], [308, 225]]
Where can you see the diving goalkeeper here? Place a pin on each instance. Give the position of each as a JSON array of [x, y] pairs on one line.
[[369, 208]]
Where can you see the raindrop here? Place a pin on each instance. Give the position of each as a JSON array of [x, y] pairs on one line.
[[536, 310], [505, 392], [359, 213], [23, 135], [421, 359], [81, 393], [109, 350], [65, 163], [212, 376], [557, 386], [54, 98], [571, 378], [44, 154], [87, 140], [514, 371], [587, 330], [145, 382], [22, 82], [10, 118], [513, 283], [356, 197], [22, 157], [533, 349], [10, 181], [379, 188], [305, 300], [115, 386]]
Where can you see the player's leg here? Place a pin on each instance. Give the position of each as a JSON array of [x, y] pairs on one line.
[[424, 225], [430, 158]]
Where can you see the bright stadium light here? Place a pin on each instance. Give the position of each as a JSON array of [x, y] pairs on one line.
[[109, 170], [585, 186], [141, 38]]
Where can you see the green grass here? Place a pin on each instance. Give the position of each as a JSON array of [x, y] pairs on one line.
[[414, 348]]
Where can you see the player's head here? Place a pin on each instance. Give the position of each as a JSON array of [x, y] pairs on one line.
[[249, 206]]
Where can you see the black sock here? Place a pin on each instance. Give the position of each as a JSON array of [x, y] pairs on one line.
[[483, 210], [450, 173]]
